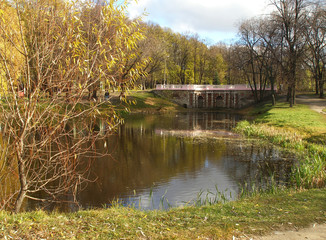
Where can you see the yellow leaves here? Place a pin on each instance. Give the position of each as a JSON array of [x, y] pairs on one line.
[[2, 19], [10, 44], [100, 43], [103, 51]]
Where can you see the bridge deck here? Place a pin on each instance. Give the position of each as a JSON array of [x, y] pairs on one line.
[[238, 87]]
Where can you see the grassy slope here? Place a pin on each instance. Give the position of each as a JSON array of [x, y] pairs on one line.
[[254, 215], [148, 102]]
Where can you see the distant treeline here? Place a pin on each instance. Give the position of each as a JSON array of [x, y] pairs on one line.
[[285, 49]]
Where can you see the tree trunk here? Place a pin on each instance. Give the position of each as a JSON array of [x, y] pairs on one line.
[[273, 99], [317, 86], [293, 94], [273, 91], [321, 88], [23, 182], [288, 95], [20, 199]]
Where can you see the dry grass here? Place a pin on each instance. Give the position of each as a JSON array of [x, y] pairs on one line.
[[256, 215]]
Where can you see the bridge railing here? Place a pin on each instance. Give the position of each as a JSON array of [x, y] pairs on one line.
[[202, 87]]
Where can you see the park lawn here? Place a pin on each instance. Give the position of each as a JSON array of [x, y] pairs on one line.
[[300, 118], [255, 215], [295, 124]]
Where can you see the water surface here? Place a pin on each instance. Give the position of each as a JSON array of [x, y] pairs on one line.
[[168, 160]]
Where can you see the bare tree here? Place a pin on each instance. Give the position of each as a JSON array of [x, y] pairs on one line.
[[290, 16], [269, 34], [316, 38], [254, 57]]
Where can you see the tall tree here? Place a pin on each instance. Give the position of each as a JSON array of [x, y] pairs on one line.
[[181, 54], [316, 38], [290, 16], [216, 66], [251, 56], [195, 46], [269, 34]]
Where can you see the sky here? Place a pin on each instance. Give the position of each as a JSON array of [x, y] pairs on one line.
[[213, 20]]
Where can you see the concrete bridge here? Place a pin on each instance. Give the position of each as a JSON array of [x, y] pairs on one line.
[[209, 96]]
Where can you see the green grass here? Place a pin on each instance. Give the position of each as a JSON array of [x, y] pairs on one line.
[[300, 117], [256, 215], [297, 129]]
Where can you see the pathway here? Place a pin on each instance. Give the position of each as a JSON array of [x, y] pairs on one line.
[[315, 232], [314, 102]]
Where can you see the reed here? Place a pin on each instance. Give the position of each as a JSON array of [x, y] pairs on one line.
[[249, 190], [210, 197]]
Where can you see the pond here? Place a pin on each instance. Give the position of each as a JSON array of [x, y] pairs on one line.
[[159, 161]]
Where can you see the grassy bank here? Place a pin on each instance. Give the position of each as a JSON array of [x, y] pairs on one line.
[[255, 215], [297, 129], [146, 102]]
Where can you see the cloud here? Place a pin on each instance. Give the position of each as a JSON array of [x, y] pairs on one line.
[[200, 16]]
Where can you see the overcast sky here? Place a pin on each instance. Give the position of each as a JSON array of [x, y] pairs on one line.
[[214, 20]]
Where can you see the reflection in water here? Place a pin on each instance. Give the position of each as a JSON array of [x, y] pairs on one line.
[[175, 157]]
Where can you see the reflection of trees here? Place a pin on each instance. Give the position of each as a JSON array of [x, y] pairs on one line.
[[188, 121], [142, 158], [261, 162]]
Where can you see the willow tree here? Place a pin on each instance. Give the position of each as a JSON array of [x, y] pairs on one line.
[[46, 126]]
